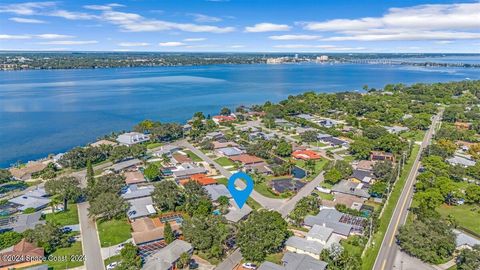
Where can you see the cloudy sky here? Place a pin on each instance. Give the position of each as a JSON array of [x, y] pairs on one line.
[[242, 25]]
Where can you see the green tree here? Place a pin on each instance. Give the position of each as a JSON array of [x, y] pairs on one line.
[[110, 183], [283, 149], [378, 189], [309, 205], [48, 236], [9, 238], [472, 193], [384, 171], [168, 234], [333, 176], [66, 187], [107, 206], [5, 176], [207, 234], [90, 174], [264, 232], [225, 111], [184, 260], [469, 259], [167, 196], [309, 136], [223, 200], [361, 148], [429, 199], [130, 259], [152, 172]]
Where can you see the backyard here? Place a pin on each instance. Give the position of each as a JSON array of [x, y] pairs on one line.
[[466, 215], [224, 161], [73, 252], [193, 156], [113, 232], [64, 218]]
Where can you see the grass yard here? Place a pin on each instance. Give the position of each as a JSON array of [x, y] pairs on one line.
[[324, 196], [193, 156], [224, 161], [372, 251], [416, 135], [64, 218], [73, 252], [222, 181], [275, 258], [466, 215], [266, 191], [253, 204], [115, 258], [113, 232], [154, 145]]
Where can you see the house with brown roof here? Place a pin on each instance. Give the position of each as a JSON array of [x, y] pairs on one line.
[[25, 172], [366, 165], [24, 254], [306, 155], [217, 145], [246, 159], [134, 177], [380, 155], [147, 230], [178, 158], [200, 178], [463, 125]]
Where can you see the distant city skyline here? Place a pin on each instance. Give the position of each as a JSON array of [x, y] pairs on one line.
[[242, 26]]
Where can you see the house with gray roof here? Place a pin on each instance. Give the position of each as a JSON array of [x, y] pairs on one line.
[[21, 223], [33, 199], [120, 166], [165, 258], [333, 141], [235, 214], [319, 234], [131, 138], [304, 246], [167, 150], [230, 151], [329, 218], [295, 261], [216, 191], [140, 207], [362, 176], [464, 240], [134, 192], [270, 266], [306, 116], [351, 188], [186, 170], [396, 129], [461, 161]]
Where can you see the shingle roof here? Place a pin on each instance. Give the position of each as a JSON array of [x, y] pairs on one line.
[[465, 239], [141, 207], [349, 187], [320, 233], [230, 151], [167, 255], [125, 164], [215, 191], [133, 192], [295, 261], [270, 266], [331, 219], [235, 213], [21, 223], [303, 244]]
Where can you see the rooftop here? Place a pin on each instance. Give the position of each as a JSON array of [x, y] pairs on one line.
[[230, 151], [235, 214], [168, 255], [303, 244], [134, 177], [246, 159], [216, 191], [126, 164], [141, 207], [295, 261], [134, 191], [349, 187], [320, 233], [21, 223], [305, 154]]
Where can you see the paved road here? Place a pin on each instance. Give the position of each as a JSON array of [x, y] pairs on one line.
[[90, 243], [388, 250]]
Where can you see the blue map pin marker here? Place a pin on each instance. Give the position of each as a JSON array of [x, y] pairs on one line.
[[240, 196]]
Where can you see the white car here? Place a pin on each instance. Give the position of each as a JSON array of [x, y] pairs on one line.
[[119, 248], [112, 265], [249, 266]]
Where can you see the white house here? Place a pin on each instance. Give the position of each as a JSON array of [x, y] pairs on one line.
[[131, 138]]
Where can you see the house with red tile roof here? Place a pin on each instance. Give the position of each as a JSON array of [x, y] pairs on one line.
[[200, 178], [223, 118], [24, 254], [246, 159], [305, 155]]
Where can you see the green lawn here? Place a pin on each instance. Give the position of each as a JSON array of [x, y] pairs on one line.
[[466, 215], [113, 232], [193, 156], [115, 258], [251, 202], [416, 135], [324, 196], [154, 145], [372, 251], [64, 218], [266, 191], [73, 252], [275, 258], [224, 161]]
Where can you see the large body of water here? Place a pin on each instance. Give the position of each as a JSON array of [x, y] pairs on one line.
[[51, 111]]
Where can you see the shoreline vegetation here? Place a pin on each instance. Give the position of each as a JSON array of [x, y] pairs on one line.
[[10, 60]]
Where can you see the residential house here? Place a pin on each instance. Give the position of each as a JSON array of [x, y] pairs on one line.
[[352, 188], [215, 135], [166, 258], [223, 119], [342, 224], [186, 170], [285, 185], [261, 168], [35, 199], [307, 117], [200, 178], [140, 207], [461, 161], [333, 141], [303, 246], [283, 123], [135, 191], [246, 159], [464, 240], [396, 129], [306, 155], [168, 150], [351, 201], [261, 136], [300, 130], [218, 145], [381, 156], [319, 234], [20, 223], [216, 191], [103, 142], [328, 123], [235, 214], [131, 138], [134, 177], [295, 261], [229, 151], [365, 165], [147, 230], [24, 254], [178, 158], [25, 172], [127, 164], [362, 176], [322, 136]]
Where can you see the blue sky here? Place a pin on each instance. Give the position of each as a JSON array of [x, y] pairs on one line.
[[242, 25]]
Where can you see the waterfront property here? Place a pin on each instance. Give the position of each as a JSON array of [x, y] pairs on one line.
[[131, 138]]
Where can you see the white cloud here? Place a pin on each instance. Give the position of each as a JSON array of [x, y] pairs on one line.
[[7, 37], [103, 7], [444, 42], [70, 15], [26, 20], [28, 8], [133, 44], [322, 47], [69, 42], [267, 27], [53, 36], [171, 44], [202, 18], [295, 37], [422, 22], [237, 46], [194, 39]]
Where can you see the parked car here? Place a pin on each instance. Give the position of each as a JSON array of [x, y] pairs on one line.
[[119, 248], [112, 265], [249, 266]]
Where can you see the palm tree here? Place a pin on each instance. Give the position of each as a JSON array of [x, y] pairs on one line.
[[165, 159], [54, 201]]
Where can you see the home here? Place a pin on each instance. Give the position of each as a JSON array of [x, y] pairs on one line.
[[127, 164], [35, 199], [23, 255], [218, 145], [131, 138], [464, 240], [307, 117], [215, 135], [306, 155], [200, 178], [147, 230], [140, 207], [223, 118], [328, 123], [167, 150], [187, 127], [319, 234], [380, 155], [461, 161], [216, 191], [295, 261], [362, 176], [246, 159], [261, 168], [352, 188], [321, 136], [186, 170], [350, 201], [303, 246], [20, 223], [134, 177], [235, 214], [283, 123], [135, 191], [396, 129], [366, 165], [342, 224], [229, 151], [261, 136], [333, 141], [285, 185], [463, 125], [25, 172], [464, 145], [178, 158], [166, 258]]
